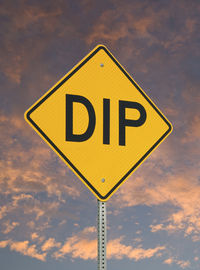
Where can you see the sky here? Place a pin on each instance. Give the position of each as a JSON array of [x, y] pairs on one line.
[[47, 216]]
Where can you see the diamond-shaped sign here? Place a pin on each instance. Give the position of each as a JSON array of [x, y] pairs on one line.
[[100, 122]]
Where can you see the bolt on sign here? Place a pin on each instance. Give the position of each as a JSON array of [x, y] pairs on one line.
[[100, 122]]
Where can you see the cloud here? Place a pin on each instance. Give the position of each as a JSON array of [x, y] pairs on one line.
[[25, 174], [177, 191], [120, 23], [118, 250], [49, 244], [20, 19], [4, 243], [34, 236], [183, 264], [34, 188], [193, 133], [84, 246], [130, 23], [157, 227], [24, 248], [169, 261], [9, 226], [26, 163]]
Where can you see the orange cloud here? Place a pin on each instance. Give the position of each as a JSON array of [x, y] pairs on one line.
[[118, 250], [24, 248], [49, 244], [9, 226], [34, 236], [183, 264], [4, 243], [80, 246], [157, 227], [84, 246], [177, 190], [169, 261]]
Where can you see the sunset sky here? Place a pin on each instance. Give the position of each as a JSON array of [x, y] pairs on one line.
[[47, 216]]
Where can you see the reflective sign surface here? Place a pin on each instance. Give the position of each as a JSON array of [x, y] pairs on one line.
[[100, 122]]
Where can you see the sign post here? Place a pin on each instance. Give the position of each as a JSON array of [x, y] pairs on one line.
[[102, 125], [102, 235]]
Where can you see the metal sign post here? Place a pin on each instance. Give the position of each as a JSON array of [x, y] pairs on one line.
[[102, 237]]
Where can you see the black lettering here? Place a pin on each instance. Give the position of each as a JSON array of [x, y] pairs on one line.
[[70, 136], [106, 121], [123, 122]]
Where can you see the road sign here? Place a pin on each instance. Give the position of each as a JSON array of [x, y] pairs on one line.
[[100, 122]]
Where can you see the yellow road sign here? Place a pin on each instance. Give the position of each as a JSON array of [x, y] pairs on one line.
[[100, 122]]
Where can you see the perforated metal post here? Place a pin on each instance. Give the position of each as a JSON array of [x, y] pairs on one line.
[[102, 237]]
